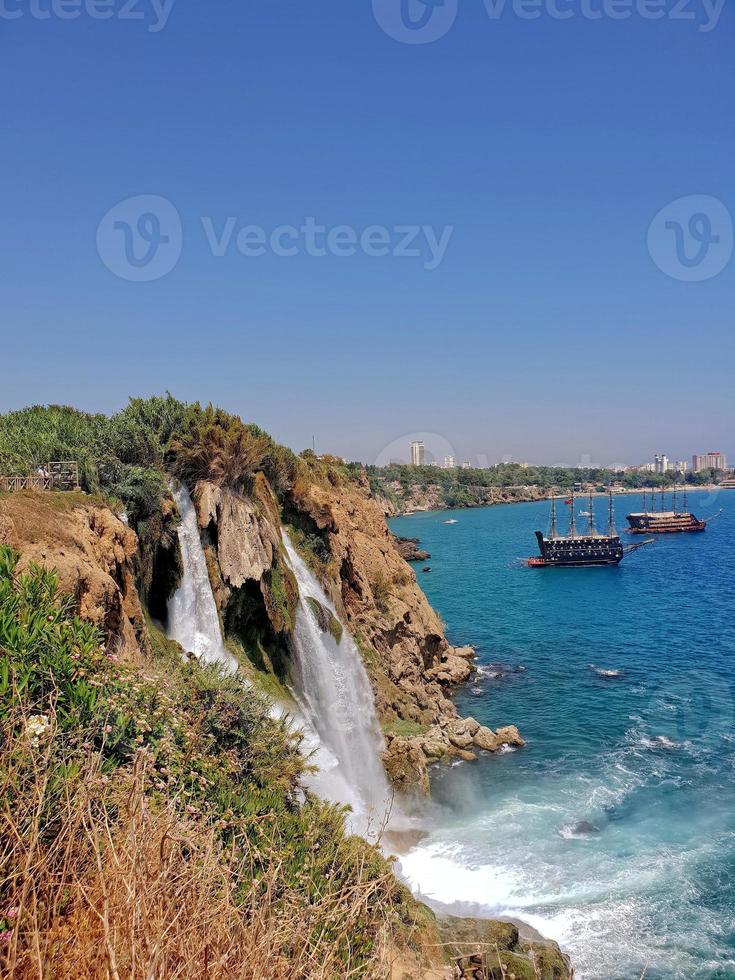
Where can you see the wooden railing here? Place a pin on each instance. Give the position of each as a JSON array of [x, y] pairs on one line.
[[57, 475], [10, 483]]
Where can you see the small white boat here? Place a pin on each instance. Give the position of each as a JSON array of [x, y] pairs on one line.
[[450, 521]]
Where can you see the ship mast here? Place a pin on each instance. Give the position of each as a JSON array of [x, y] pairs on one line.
[[572, 525], [644, 501], [552, 519], [663, 498], [611, 530], [592, 531]]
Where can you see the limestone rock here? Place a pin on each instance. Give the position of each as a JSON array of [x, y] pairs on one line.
[[410, 663], [408, 549], [94, 553], [405, 764], [451, 671], [509, 735], [434, 748], [245, 543], [459, 738], [467, 653], [486, 739]]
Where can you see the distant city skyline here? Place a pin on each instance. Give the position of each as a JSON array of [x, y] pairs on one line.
[[419, 455]]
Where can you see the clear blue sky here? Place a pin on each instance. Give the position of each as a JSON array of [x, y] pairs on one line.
[[547, 331]]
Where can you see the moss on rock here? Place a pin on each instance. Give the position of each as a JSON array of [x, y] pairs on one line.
[[328, 622]]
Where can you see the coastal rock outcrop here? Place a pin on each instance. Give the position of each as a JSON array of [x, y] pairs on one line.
[[495, 949], [94, 553], [396, 499], [408, 549]]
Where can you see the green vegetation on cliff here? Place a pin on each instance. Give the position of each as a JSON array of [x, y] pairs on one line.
[[128, 455], [154, 822], [470, 487]]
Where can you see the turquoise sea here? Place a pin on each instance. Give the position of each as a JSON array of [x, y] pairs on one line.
[[622, 682]]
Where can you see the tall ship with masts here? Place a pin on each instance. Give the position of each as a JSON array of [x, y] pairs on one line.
[[663, 521], [584, 549]]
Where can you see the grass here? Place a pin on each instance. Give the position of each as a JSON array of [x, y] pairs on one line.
[[153, 823], [404, 728]]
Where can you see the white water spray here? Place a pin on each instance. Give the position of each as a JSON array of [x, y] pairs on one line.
[[336, 700], [192, 614]]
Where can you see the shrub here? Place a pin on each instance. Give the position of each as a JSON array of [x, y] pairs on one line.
[[154, 822], [219, 447]]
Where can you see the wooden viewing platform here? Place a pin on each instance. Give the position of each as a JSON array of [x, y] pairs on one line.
[[58, 475]]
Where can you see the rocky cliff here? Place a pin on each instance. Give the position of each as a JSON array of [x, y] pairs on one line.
[[342, 532], [94, 553]]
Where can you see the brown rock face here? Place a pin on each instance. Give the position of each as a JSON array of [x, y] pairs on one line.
[[509, 735], [411, 664], [94, 553], [245, 543], [407, 654], [487, 740], [244, 547], [405, 764]]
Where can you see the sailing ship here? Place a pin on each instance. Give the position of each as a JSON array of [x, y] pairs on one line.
[[581, 550], [663, 521]]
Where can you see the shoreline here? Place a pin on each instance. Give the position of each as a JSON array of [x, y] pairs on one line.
[[540, 498], [453, 917]]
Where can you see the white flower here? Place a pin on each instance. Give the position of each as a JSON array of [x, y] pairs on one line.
[[36, 727]]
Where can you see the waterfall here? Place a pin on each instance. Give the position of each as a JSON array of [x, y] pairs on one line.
[[336, 701], [192, 613], [336, 708]]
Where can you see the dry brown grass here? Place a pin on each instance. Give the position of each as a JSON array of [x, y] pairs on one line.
[[124, 891]]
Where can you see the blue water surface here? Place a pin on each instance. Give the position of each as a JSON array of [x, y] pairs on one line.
[[621, 680]]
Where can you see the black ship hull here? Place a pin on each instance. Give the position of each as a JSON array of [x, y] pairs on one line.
[[667, 523], [582, 552]]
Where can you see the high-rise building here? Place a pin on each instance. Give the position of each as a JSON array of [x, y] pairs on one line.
[[660, 463], [418, 454], [449, 463], [682, 466], [466, 465], [709, 461]]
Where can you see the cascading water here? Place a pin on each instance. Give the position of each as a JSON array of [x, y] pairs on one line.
[[331, 687], [334, 695], [192, 614]]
